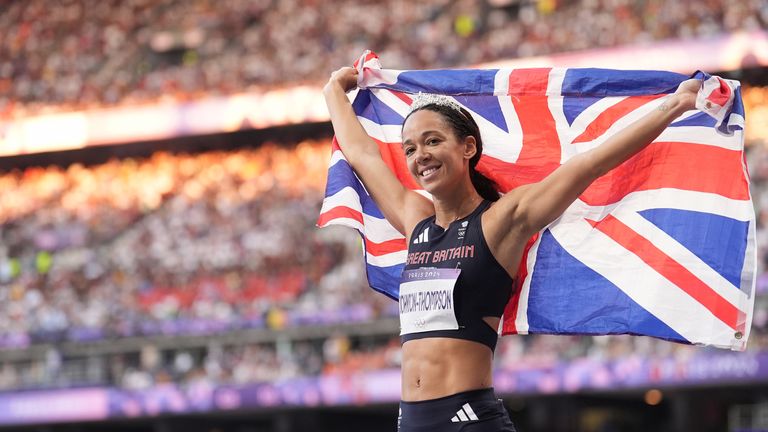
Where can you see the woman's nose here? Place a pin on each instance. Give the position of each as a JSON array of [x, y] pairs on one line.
[[422, 155]]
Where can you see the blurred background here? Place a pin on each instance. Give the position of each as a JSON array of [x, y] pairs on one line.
[[162, 164]]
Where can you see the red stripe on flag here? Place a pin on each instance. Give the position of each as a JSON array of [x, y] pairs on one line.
[[402, 96], [509, 176], [610, 115], [510, 311], [677, 165], [721, 95], [529, 82], [393, 156], [370, 55], [337, 213], [387, 247], [540, 152], [669, 268]]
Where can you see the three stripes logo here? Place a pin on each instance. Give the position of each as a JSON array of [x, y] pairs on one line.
[[423, 237], [464, 414]]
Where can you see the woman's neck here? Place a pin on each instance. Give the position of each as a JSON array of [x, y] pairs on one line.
[[455, 206]]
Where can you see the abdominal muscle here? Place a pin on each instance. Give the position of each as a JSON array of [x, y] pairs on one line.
[[437, 367]]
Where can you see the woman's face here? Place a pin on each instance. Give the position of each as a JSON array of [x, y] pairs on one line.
[[435, 156]]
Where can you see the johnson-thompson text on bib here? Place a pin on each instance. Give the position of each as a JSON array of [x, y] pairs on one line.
[[426, 300]]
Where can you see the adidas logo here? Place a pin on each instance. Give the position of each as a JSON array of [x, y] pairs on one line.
[[464, 414], [423, 237], [464, 224]]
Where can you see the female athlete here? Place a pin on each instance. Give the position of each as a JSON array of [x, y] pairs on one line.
[[464, 246]]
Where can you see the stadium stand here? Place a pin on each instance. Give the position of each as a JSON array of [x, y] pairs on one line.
[[86, 53]]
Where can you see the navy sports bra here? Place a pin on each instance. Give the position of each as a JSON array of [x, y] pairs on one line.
[[438, 301]]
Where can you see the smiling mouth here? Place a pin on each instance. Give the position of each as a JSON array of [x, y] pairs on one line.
[[428, 171]]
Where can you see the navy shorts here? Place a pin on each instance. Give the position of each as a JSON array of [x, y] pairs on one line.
[[470, 411]]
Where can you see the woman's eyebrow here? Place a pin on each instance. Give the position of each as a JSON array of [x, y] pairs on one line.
[[425, 133]]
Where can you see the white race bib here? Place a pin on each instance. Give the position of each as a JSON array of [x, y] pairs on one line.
[[426, 300]]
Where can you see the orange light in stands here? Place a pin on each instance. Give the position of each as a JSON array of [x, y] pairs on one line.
[[653, 397]]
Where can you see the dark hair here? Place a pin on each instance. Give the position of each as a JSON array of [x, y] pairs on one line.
[[464, 125]]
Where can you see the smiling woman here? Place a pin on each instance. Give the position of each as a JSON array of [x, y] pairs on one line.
[[464, 246], [441, 112]]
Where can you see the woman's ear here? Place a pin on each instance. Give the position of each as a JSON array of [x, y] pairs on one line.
[[470, 147]]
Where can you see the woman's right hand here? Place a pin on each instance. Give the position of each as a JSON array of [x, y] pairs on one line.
[[345, 77]]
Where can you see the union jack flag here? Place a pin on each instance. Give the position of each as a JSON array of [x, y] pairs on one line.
[[663, 245]]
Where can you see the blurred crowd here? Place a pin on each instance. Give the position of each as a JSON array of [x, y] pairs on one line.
[[173, 244], [212, 243], [69, 54]]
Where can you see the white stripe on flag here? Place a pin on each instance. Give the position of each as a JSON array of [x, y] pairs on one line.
[[501, 83], [586, 117], [336, 156], [388, 98], [736, 120], [498, 143], [656, 294], [376, 230], [383, 133], [521, 321], [509, 144], [688, 259], [638, 201], [705, 202], [616, 127], [342, 221], [388, 260], [741, 210], [702, 135]]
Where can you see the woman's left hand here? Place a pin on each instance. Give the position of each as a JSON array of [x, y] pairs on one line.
[[686, 93]]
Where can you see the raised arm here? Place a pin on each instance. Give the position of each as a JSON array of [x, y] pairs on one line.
[[402, 207], [527, 209]]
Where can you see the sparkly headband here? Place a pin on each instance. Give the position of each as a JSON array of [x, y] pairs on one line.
[[423, 99]]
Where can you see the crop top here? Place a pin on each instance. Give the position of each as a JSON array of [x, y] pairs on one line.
[[451, 281]]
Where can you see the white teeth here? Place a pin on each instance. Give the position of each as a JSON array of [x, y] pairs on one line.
[[428, 172]]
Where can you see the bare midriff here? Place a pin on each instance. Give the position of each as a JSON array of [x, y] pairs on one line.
[[438, 367]]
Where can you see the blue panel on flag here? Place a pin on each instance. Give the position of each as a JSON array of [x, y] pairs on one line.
[[573, 298], [384, 279], [368, 106], [340, 175], [738, 103], [486, 106], [575, 105], [362, 105], [605, 82], [447, 82], [698, 119], [719, 241], [384, 114]]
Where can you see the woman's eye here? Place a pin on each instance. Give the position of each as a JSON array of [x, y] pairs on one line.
[[432, 141], [408, 151]]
